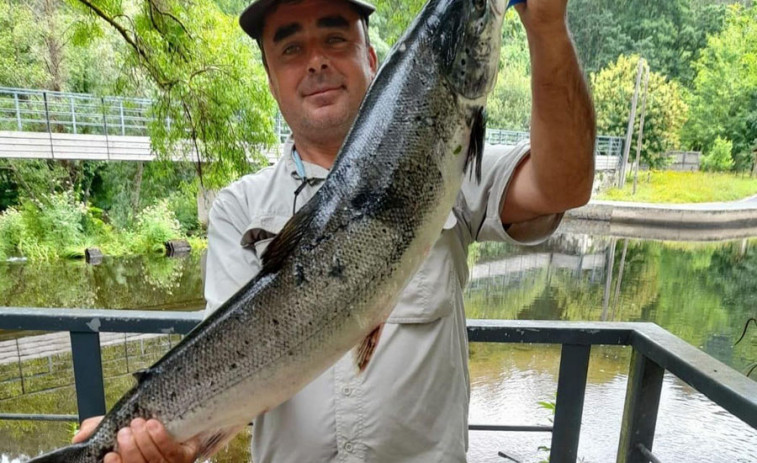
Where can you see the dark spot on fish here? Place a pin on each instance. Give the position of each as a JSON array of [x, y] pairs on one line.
[[299, 274], [337, 269], [173, 395], [233, 366], [275, 322], [291, 353], [240, 353], [197, 376], [462, 61]]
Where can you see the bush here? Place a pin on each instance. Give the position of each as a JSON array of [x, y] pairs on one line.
[[155, 225], [719, 158], [11, 232]]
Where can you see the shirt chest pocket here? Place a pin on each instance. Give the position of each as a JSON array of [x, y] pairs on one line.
[[261, 231], [434, 291]]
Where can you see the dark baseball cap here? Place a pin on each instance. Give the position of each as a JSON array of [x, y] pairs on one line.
[[252, 17]]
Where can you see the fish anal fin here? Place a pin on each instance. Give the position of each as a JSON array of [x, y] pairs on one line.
[[476, 145], [364, 351], [287, 240], [211, 442]]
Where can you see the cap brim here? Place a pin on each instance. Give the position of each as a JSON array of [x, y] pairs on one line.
[[252, 17]]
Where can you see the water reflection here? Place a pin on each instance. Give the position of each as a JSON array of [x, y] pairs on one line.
[[702, 292]]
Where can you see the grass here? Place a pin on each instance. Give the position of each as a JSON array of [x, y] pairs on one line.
[[684, 187]]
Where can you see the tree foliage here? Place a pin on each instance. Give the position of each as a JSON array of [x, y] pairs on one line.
[[666, 110], [205, 76], [724, 99], [668, 34]]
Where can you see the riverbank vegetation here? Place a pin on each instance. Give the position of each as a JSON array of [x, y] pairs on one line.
[[205, 77], [684, 187]]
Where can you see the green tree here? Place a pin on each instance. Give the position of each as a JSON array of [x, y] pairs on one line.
[[205, 76], [719, 159], [724, 99], [509, 104], [670, 35], [613, 89]]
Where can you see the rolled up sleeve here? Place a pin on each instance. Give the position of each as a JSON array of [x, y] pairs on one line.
[[482, 202]]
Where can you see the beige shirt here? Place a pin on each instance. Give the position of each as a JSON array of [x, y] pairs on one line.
[[411, 403]]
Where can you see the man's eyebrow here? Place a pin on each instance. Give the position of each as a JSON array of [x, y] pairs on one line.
[[336, 21], [286, 31]]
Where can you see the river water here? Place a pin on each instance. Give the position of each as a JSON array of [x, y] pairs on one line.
[[703, 292]]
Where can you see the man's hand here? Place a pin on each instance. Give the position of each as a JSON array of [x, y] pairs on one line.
[[143, 442], [543, 15]]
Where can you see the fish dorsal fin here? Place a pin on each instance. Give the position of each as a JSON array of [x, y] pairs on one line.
[[364, 351], [476, 145], [142, 374], [287, 239]]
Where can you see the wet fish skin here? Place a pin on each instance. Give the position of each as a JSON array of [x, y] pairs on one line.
[[334, 273]]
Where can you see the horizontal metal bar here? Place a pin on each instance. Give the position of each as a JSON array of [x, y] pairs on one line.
[[550, 332], [83, 320], [32, 417], [497, 427], [647, 454], [725, 386]]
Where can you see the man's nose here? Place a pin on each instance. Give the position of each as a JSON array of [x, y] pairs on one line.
[[318, 60]]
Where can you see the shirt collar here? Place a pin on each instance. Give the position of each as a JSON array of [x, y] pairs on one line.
[[313, 171]]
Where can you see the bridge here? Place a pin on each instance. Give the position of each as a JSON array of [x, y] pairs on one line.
[[41, 124]]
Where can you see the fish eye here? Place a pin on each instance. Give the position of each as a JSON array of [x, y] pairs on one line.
[[479, 4]]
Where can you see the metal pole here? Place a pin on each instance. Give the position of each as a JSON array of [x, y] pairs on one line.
[[641, 130], [640, 411], [88, 374], [105, 126], [123, 125], [49, 131], [571, 389], [18, 111], [629, 131], [73, 113]]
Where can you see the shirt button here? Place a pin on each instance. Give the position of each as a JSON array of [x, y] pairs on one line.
[[348, 447], [346, 391]]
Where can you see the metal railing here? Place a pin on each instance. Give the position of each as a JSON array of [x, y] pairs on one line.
[[654, 352], [25, 110]]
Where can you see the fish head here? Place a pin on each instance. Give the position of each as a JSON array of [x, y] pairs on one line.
[[468, 43]]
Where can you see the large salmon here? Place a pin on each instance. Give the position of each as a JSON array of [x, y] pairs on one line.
[[332, 276]]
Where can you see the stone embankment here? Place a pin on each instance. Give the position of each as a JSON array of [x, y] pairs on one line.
[[700, 222]]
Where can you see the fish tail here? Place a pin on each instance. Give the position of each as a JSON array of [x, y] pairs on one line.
[[76, 453]]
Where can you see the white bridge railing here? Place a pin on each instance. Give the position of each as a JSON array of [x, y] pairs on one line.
[[61, 125]]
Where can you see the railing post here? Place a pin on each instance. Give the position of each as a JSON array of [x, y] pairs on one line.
[[18, 112], [640, 411], [73, 113], [49, 130], [571, 387], [121, 108], [88, 374]]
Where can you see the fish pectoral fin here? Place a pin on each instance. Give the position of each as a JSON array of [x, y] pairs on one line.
[[476, 146], [363, 352], [288, 239], [214, 440]]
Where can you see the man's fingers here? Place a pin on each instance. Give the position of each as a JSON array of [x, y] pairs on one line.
[[127, 447], [151, 450], [171, 450], [86, 429], [112, 458]]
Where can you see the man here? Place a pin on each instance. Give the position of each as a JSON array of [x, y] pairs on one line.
[[411, 403]]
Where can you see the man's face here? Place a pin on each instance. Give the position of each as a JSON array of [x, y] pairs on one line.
[[319, 66]]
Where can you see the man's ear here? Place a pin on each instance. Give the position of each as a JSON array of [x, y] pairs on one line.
[[373, 59]]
